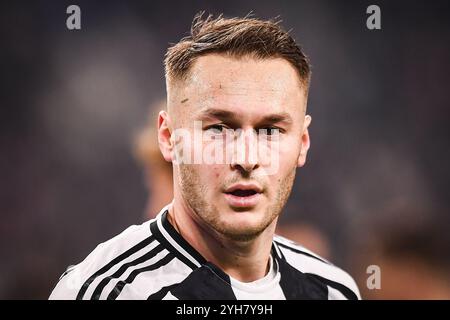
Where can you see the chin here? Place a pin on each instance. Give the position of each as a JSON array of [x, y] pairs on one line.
[[241, 234], [242, 225], [250, 217]]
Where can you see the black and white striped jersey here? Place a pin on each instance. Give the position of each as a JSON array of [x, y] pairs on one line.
[[153, 261]]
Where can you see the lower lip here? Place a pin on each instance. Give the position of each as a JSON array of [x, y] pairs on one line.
[[242, 202]]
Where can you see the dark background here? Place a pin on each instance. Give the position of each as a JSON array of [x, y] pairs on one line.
[[71, 102]]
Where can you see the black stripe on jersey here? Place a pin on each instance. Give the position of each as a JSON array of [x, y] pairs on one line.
[[180, 241], [204, 283], [276, 251], [297, 285], [111, 264], [218, 272], [300, 251], [123, 268], [218, 285], [348, 293], [162, 293], [121, 284]]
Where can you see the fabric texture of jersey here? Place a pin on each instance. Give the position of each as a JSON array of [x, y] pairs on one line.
[[153, 261]]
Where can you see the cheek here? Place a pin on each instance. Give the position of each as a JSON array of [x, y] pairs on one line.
[[289, 152], [218, 172], [212, 175]]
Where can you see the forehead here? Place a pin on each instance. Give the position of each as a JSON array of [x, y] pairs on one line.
[[244, 82]]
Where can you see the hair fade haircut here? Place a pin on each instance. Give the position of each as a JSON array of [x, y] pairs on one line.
[[236, 37]]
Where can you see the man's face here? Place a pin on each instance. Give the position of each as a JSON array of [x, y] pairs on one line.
[[239, 198]]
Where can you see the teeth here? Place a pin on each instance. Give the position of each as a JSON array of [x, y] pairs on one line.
[[243, 193]]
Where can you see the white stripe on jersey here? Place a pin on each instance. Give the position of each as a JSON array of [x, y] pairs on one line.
[[148, 283], [169, 296], [334, 294], [115, 268], [107, 290]]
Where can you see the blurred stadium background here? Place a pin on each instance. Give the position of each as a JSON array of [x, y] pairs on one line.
[[375, 187]]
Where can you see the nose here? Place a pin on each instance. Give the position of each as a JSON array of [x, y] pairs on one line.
[[245, 156]]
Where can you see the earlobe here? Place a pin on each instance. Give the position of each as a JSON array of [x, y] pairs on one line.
[[165, 136], [305, 142]]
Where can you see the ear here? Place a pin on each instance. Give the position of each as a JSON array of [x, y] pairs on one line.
[[165, 141], [305, 142]]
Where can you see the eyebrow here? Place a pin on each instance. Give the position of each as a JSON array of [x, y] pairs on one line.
[[217, 114], [228, 116]]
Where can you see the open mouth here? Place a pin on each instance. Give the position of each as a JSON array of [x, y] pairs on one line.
[[242, 193]]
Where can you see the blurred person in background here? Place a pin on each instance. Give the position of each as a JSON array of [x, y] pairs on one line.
[[158, 175], [412, 257]]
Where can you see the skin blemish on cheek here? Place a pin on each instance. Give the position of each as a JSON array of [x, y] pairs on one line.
[[184, 100]]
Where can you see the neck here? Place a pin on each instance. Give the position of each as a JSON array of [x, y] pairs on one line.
[[245, 261]]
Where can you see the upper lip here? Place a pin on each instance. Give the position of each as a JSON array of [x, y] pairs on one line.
[[241, 186]]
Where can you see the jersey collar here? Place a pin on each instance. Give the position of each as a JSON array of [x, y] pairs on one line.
[[166, 234]]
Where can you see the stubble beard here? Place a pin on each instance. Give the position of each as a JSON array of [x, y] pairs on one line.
[[207, 214]]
